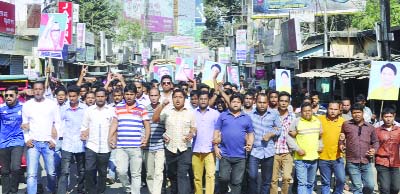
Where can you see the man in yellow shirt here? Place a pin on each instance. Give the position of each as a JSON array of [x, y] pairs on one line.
[[330, 159]]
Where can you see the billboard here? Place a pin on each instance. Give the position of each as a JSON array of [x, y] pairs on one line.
[[160, 16], [241, 45], [276, 8], [66, 8], [52, 31], [186, 17], [384, 80], [7, 18], [133, 9]]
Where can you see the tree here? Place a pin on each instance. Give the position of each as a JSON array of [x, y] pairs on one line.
[[217, 13], [128, 31], [366, 20], [99, 15]]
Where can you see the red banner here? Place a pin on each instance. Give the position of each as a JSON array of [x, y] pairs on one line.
[[66, 7], [7, 18]]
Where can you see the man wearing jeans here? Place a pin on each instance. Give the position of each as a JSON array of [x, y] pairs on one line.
[[94, 130], [72, 146], [330, 159], [126, 129], [307, 130], [11, 140], [180, 128], [233, 136], [266, 125], [39, 115], [360, 144]]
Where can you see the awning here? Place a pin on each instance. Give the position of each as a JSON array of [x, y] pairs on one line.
[[98, 64]]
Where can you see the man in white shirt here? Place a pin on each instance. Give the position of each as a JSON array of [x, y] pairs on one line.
[[141, 98], [94, 130], [39, 116]]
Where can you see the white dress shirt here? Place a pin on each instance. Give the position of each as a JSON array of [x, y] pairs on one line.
[[144, 100], [98, 121], [40, 116]]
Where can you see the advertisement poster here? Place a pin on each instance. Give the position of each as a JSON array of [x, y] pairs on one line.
[[233, 74], [161, 70], [160, 16], [90, 52], [81, 35], [241, 45], [224, 55], [384, 80], [66, 8], [211, 69], [7, 18], [186, 17], [145, 55], [284, 7], [283, 80], [184, 69], [52, 31]]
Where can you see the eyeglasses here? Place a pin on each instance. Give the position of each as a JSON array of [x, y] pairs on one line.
[[359, 130], [8, 95], [166, 83]]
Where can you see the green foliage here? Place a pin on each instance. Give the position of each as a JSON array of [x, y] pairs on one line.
[[128, 31], [367, 19], [99, 15]]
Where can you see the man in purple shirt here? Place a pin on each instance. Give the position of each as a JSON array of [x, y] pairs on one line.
[[359, 140], [203, 157], [233, 137]]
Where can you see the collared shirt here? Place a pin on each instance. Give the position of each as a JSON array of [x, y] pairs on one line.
[[233, 133], [177, 125], [41, 116], [11, 133], [281, 146], [130, 124], [321, 110], [143, 100], [367, 114], [388, 153], [347, 116], [307, 138], [358, 145], [98, 121], [72, 119], [330, 137], [156, 141], [205, 122], [264, 124]]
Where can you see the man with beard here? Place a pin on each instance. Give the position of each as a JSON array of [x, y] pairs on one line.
[[72, 146], [39, 115], [11, 140], [346, 105], [273, 99], [248, 103]]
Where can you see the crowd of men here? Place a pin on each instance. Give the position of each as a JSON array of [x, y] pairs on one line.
[[188, 132]]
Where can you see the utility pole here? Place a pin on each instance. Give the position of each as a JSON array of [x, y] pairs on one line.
[[325, 29], [385, 29]]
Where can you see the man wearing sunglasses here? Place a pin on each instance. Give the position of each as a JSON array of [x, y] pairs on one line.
[[167, 85], [11, 140], [360, 142]]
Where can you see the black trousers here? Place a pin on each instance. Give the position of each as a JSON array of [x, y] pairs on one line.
[[66, 160], [10, 161], [95, 163]]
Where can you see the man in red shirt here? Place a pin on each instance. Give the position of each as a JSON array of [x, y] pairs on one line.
[[387, 159]]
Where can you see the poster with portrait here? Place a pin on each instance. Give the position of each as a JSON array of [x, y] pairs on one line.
[[161, 70], [283, 80], [233, 74], [184, 69], [52, 31], [210, 70], [384, 80]]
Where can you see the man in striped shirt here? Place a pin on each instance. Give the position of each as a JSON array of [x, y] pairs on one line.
[[154, 155], [126, 131]]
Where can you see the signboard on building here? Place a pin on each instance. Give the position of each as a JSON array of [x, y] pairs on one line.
[[81, 35], [7, 18], [33, 15], [90, 53], [66, 8], [224, 55], [75, 13], [133, 9], [241, 45], [276, 8], [160, 16]]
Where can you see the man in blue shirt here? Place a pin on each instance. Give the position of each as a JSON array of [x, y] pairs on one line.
[[233, 137], [266, 125], [72, 145], [11, 140]]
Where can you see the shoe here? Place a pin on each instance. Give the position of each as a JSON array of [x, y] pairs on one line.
[[110, 181]]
